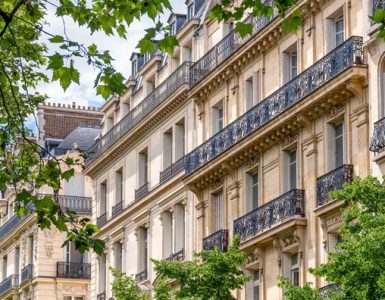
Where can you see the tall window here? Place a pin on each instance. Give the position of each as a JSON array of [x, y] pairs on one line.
[[17, 260], [179, 139], [30, 245], [290, 64], [118, 255], [252, 185], [167, 149], [102, 273], [134, 67], [142, 249], [179, 228], [339, 34], [119, 186], [218, 210], [292, 170], [217, 117], [334, 238], [5, 267], [167, 234], [294, 269], [339, 145], [252, 287], [190, 11], [143, 167], [173, 28], [103, 198]]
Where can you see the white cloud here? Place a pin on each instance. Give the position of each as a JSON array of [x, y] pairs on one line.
[[120, 49]]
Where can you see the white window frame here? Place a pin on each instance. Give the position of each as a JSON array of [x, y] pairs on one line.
[[294, 269], [336, 33]]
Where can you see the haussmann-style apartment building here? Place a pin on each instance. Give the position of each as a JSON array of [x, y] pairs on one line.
[[33, 263], [242, 136]]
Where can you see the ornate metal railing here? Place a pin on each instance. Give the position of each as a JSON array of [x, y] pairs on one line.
[[179, 256], [141, 192], [9, 283], [12, 223], [377, 144], [219, 239], [326, 290], [179, 77], [26, 273], [226, 47], [141, 276], [80, 205], [284, 207], [101, 220], [347, 54], [73, 270], [101, 296], [172, 170], [117, 208], [332, 181]]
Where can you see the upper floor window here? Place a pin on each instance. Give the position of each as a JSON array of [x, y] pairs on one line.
[[167, 228], [252, 287], [142, 249], [103, 198], [334, 238], [118, 186], [118, 252], [294, 269], [252, 186], [167, 148], [143, 167], [173, 28], [218, 210], [179, 139], [339, 33], [290, 63], [134, 67], [292, 169], [5, 267], [190, 11], [217, 117], [102, 273], [252, 90], [336, 145]]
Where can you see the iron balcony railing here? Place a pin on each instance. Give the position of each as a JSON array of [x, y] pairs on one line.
[[219, 239], [74, 270], [377, 144], [101, 296], [327, 290], [342, 57], [226, 47], [332, 181], [141, 192], [26, 273], [285, 207], [141, 276], [172, 170], [79, 204], [101, 220], [178, 256], [179, 77], [9, 283], [117, 208], [12, 223]]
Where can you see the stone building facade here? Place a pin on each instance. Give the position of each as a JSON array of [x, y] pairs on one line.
[[33, 263], [242, 136]]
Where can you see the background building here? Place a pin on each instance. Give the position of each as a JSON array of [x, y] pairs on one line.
[[243, 136], [33, 264]]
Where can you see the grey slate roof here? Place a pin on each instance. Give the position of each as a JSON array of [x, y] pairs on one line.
[[83, 136]]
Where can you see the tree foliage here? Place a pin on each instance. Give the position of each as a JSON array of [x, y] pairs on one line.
[[124, 287], [24, 62], [357, 266]]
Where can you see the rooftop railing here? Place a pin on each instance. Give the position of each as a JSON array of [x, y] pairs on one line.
[[377, 144], [79, 204], [334, 180], [282, 208], [179, 77], [342, 57], [226, 47]]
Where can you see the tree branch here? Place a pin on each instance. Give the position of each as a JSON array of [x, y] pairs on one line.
[[7, 17]]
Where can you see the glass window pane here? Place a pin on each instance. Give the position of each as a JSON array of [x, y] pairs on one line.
[[292, 170], [255, 192], [339, 145]]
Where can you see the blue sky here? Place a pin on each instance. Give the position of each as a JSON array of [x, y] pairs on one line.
[[120, 49]]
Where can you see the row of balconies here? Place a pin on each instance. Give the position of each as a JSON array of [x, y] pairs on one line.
[[81, 205], [280, 209], [348, 54]]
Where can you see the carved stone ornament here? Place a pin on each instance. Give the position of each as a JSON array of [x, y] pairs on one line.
[[289, 140], [333, 220], [49, 237], [336, 110], [252, 161]]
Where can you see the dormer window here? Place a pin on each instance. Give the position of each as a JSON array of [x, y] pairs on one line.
[[134, 67], [190, 11], [173, 28]]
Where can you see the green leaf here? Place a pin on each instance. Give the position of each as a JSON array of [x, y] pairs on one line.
[[57, 39], [243, 29], [68, 174]]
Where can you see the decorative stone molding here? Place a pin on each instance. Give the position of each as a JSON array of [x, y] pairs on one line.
[[289, 141], [336, 111]]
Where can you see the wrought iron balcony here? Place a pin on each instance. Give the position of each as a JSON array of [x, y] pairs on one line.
[[226, 47], [179, 77], [325, 291], [332, 181], [80, 205], [377, 144], [141, 276], [178, 256], [101, 296], [73, 270], [141, 192], [8, 284], [172, 170], [285, 207], [10, 225], [219, 239], [101, 220], [342, 57], [117, 208], [26, 273]]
